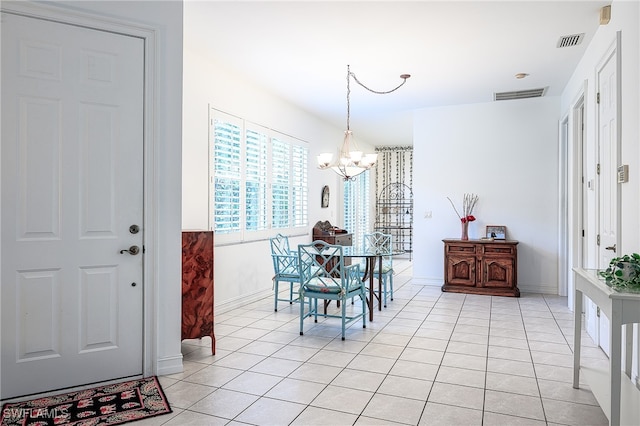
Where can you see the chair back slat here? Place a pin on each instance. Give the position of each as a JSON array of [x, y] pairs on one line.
[[284, 262], [280, 245], [378, 241], [320, 259]]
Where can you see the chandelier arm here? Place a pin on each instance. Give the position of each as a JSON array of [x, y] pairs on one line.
[[403, 76]]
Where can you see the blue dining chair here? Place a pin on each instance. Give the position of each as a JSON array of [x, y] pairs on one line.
[[382, 243], [324, 276], [285, 266]]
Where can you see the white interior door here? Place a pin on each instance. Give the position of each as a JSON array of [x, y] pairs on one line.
[[71, 168], [608, 186]]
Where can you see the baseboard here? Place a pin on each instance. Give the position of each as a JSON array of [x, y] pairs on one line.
[[538, 288], [240, 301], [436, 282], [169, 365]]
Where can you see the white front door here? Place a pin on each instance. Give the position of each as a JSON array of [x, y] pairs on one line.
[[71, 169]]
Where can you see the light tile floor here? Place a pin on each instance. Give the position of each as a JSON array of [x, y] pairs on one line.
[[429, 358]]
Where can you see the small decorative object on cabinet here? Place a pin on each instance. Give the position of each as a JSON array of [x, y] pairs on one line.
[[394, 215], [481, 267], [197, 286], [497, 232]]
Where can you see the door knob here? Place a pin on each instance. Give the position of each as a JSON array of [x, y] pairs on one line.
[[613, 247], [133, 250]]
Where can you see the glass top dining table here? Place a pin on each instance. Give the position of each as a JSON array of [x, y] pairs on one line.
[[371, 255]]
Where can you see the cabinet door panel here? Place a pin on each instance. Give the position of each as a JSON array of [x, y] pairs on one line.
[[497, 272], [461, 271]]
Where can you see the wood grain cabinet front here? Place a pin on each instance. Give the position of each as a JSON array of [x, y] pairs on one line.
[[197, 286], [481, 267]]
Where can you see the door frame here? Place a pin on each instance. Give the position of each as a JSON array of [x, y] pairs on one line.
[[149, 36], [564, 263], [573, 244]]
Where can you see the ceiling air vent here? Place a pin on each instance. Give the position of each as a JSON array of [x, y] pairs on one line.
[[570, 40], [519, 94]]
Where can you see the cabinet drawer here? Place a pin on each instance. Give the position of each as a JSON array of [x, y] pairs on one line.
[[461, 248], [343, 240], [498, 249]]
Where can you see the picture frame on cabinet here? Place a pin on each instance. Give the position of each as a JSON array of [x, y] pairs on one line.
[[496, 232]]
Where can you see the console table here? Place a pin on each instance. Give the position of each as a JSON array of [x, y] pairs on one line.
[[614, 391], [481, 267]]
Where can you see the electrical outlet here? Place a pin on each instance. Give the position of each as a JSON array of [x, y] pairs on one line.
[[427, 214]]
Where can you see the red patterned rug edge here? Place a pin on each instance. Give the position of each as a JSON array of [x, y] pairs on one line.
[[54, 409]]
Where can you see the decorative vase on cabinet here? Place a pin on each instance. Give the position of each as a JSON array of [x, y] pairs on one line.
[[197, 286]]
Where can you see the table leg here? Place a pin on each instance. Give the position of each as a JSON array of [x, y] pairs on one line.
[[628, 344], [371, 265], [379, 283], [577, 337], [615, 366]]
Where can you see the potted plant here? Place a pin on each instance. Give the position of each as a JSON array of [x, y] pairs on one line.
[[623, 273]]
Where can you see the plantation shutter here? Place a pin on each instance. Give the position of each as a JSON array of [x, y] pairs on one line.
[[256, 180], [227, 176], [280, 188]]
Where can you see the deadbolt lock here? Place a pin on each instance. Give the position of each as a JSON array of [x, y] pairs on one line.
[[134, 229]]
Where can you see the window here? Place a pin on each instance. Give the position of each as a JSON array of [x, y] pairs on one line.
[[280, 184], [356, 207], [226, 165], [258, 180]]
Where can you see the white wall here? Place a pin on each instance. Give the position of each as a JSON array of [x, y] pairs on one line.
[[244, 271], [506, 152]]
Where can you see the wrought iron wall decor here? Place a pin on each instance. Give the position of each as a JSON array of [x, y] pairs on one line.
[[394, 195]]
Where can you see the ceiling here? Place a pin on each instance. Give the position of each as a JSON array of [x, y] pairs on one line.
[[457, 52]]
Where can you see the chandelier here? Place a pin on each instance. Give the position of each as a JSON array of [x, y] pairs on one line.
[[351, 161]]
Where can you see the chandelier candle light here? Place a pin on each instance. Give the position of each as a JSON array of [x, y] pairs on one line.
[[469, 201], [351, 163]]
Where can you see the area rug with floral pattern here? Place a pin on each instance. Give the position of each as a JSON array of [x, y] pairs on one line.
[[105, 405]]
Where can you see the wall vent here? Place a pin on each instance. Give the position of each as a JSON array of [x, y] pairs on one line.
[[519, 94], [570, 40]]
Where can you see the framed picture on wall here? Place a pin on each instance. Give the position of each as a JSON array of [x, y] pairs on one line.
[[497, 232]]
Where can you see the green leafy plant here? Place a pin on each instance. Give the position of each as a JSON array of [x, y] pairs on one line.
[[623, 273]]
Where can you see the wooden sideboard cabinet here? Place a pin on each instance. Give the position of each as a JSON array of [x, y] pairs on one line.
[[481, 267], [197, 286]]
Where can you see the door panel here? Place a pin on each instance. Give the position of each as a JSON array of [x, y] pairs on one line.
[[607, 150], [608, 186], [72, 167]]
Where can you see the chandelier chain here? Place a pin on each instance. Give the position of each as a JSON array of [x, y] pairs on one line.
[[377, 92], [382, 92]]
